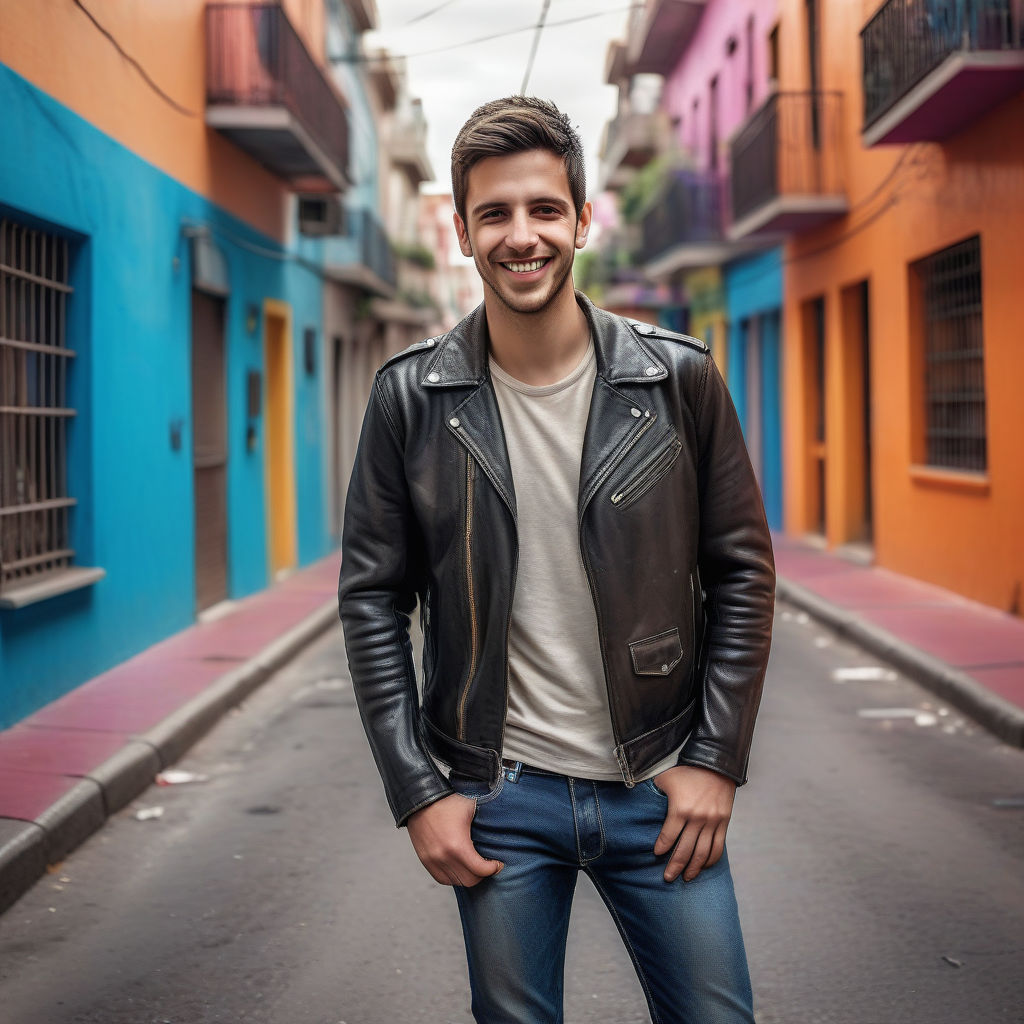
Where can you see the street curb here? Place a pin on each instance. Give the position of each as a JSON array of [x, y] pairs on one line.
[[992, 712], [26, 848]]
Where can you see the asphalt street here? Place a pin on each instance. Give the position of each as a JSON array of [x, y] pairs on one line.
[[878, 853]]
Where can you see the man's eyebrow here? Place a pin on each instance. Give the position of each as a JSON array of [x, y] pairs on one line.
[[493, 204]]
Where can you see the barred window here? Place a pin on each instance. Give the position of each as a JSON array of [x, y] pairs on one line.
[[954, 364], [34, 360]]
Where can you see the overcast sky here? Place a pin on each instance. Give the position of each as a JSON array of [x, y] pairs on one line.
[[568, 69]]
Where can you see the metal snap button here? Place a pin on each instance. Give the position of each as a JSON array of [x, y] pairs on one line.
[[664, 668], [651, 371], [454, 421], [635, 412], [434, 377]]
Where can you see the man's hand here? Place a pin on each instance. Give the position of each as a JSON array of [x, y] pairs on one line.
[[440, 836], [699, 808]]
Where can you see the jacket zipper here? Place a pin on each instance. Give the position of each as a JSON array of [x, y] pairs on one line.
[[472, 599], [649, 475], [620, 754]]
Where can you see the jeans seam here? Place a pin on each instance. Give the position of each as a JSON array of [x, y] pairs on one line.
[[575, 819], [637, 966], [600, 823]]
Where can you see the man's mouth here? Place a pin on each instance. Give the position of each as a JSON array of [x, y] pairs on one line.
[[525, 267]]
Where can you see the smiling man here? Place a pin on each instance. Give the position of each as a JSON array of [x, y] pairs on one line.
[[567, 496]]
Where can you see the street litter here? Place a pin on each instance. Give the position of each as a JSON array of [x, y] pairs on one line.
[[178, 777], [923, 718], [862, 673], [952, 961], [147, 813]]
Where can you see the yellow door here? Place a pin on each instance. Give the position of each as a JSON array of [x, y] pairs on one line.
[[279, 447]]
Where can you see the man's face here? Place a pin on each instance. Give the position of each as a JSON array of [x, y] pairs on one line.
[[521, 228]]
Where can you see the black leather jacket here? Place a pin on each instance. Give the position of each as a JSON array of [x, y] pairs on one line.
[[672, 533]]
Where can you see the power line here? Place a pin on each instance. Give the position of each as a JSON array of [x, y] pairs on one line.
[[428, 14], [533, 47], [133, 62], [363, 58]]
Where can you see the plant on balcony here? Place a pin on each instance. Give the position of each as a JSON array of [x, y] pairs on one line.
[[416, 253], [645, 188]]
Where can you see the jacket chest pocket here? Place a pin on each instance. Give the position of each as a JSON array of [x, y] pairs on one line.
[[654, 466]]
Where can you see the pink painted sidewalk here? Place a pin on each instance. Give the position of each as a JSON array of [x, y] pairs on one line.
[[973, 640], [64, 769]]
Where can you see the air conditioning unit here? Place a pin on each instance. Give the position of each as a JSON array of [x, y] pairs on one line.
[[321, 215]]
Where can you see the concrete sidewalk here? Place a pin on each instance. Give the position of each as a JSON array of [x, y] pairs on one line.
[[967, 653], [75, 762], [78, 760]]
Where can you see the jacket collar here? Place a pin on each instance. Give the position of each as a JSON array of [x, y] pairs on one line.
[[622, 355]]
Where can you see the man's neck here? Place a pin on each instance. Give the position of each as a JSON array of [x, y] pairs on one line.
[[538, 348]]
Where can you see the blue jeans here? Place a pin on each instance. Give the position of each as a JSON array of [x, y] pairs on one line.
[[683, 937]]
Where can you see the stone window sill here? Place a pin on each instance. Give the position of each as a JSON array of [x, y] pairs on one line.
[[51, 585], [950, 479]]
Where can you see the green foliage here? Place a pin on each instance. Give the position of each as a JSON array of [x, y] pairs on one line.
[[644, 189], [415, 252]]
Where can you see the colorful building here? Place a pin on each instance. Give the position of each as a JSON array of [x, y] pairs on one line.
[[166, 374], [670, 166], [901, 331]]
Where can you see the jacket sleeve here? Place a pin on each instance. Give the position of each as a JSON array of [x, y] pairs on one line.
[[376, 595], [737, 571]]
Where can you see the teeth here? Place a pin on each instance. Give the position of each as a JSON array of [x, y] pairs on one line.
[[525, 268]]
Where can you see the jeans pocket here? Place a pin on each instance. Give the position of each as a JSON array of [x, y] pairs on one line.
[[653, 786]]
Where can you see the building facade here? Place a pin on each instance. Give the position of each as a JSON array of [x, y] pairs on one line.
[[171, 182], [900, 336]]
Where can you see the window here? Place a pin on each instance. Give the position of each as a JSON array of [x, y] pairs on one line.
[[773, 58], [949, 288], [34, 362], [748, 85]]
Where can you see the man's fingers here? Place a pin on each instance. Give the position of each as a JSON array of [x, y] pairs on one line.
[[699, 857], [718, 846], [683, 851], [669, 833]]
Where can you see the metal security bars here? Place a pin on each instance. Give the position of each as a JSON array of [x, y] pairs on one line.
[[954, 365], [34, 360], [907, 39], [689, 213]]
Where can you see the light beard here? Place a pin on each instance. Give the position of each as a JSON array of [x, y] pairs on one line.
[[556, 291]]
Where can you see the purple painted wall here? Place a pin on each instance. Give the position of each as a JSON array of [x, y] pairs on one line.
[[744, 27]]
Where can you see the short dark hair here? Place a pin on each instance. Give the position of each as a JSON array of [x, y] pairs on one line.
[[517, 124]]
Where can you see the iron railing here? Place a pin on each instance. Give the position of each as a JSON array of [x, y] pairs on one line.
[[789, 147], [908, 39], [689, 212], [254, 57], [375, 251], [954, 357], [34, 360]]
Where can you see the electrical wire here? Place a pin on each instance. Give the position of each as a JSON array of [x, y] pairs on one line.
[[133, 62], [428, 14], [533, 47], [369, 58]]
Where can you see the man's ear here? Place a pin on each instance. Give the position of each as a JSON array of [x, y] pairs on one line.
[[460, 230], [583, 225]]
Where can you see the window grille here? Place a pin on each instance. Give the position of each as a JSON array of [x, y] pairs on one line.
[[954, 365], [34, 360]]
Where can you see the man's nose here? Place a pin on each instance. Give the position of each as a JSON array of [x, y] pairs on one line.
[[520, 232]]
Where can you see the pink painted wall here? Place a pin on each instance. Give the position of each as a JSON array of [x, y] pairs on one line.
[[706, 57]]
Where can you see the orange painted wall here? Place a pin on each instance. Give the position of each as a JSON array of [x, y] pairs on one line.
[[57, 48], [961, 531]]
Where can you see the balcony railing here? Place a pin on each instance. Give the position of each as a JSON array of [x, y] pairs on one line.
[[786, 170], [687, 219], [267, 94], [931, 66], [363, 255], [407, 143]]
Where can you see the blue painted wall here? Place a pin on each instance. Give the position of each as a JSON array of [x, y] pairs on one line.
[[130, 323], [753, 287]]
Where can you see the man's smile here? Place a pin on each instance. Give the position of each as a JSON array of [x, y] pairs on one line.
[[525, 266]]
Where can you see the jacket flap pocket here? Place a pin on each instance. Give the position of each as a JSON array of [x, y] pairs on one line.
[[657, 655]]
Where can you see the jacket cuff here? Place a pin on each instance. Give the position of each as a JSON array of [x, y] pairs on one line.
[[699, 754]]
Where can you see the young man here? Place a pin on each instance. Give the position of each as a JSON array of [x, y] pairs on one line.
[[567, 495]]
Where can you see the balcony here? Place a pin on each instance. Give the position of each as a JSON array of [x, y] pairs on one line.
[[631, 140], [659, 34], [931, 68], [265, 93], [685, 229], [407, 144], [363, 256], [786, 170]]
